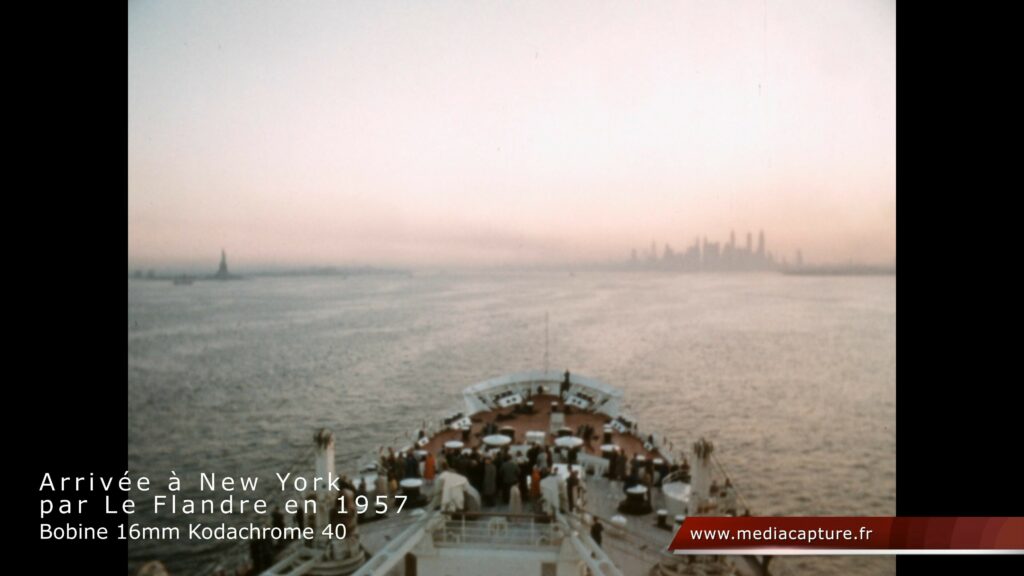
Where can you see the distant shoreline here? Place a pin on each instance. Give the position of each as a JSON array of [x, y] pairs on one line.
[[840, 271]]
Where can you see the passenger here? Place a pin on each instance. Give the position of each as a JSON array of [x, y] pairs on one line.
[[428, 466], [346, 484], [277, 521], [620, 466], [524, 473], [632, 480], [535, 484], [663, 471], [490, 486], [509, 478], [256, 553], [515, 501], [563, 390], [412, 467], [334, 513], [462, 464], [311, 519], [386, 459], [595, 531], [395, 465], [728, 501], [476, 471], [572, 485]]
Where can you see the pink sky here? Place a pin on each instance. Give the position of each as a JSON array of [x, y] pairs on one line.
[[446, 133]]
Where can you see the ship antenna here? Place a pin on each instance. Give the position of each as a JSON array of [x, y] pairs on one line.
[[545, 342]]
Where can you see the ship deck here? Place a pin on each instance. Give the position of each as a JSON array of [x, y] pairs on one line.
[[636, 548], [540, 420]]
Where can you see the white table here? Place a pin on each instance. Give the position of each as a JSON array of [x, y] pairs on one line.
[[569, 442], [497, 440]]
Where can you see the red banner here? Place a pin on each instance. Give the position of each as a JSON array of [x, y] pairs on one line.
[[812, 535]]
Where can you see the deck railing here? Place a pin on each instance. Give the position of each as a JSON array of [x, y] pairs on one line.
[[498, 530]]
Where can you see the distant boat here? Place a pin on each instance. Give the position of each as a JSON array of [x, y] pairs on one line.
[[183, 280]]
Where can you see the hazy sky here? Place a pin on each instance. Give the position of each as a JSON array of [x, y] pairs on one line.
[[406, 133]]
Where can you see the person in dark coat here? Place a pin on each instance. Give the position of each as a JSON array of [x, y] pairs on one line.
[[412, 466], [509, 478], [476, 472], [573, 485], [490, 487], [524, 473], [595, 531], [632, 480], [620, 466]]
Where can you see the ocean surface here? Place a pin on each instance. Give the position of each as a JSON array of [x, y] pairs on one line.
[[792, 378]]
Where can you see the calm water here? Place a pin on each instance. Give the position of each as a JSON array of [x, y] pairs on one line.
[[793, 378]]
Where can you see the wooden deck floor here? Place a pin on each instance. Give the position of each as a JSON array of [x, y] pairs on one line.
[[540, 420]]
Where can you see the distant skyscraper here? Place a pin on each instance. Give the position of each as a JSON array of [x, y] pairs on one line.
[[760, 243], [750, 242]]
